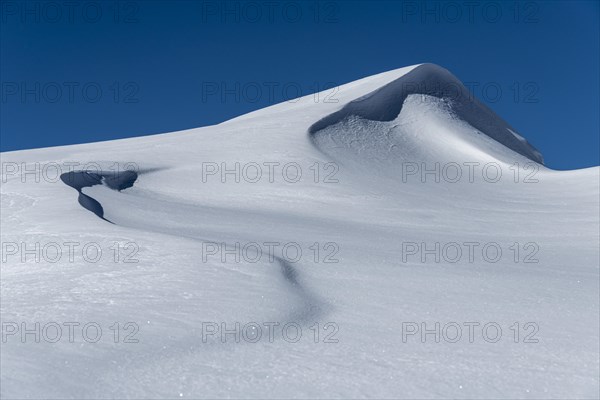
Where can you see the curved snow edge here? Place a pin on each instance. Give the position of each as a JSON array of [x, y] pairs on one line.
[[385, 104]]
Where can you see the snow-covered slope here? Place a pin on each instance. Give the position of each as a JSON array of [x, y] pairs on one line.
[[411, 205]]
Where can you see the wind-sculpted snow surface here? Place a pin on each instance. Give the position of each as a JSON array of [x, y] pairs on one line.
[[423, 83], [80, 179], [306, 250], [122, 180]]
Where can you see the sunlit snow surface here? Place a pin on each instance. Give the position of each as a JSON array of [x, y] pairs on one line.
[[361, 202]]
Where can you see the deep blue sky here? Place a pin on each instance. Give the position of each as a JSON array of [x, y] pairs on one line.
[[159, 64]]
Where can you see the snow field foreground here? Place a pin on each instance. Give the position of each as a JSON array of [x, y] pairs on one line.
[[404, 242]]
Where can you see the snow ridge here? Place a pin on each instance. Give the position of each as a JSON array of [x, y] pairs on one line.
[[430, 80]]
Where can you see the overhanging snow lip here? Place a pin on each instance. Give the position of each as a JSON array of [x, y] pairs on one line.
[[82, 179], [385, 104]]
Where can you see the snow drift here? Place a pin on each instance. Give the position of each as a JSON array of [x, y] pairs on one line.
[[416, 116], [205, 205]]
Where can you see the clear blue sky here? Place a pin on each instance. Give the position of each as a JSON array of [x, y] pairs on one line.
[[105, 70]]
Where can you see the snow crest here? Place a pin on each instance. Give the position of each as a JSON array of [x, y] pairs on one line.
[[433, 87]]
